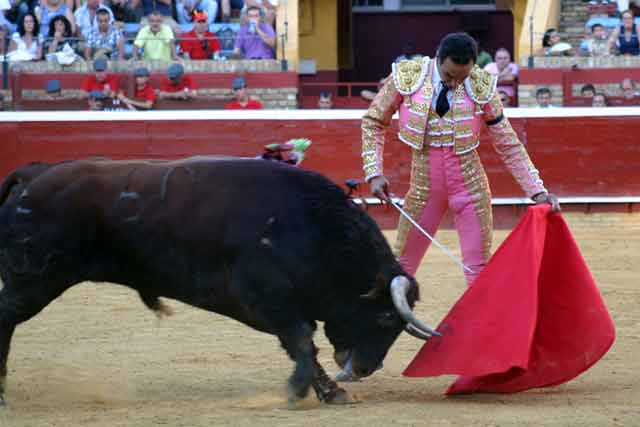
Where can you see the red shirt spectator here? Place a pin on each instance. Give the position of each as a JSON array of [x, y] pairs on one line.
[[252, 104], [91, 83], [200, 48], [177, 85], [146, 92]]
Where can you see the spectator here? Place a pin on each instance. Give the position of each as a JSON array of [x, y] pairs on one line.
[[227, 5], [325, 101], [625, 37], [598, 44], [506, 70], [59, 35], [105, 41], [177, 85], [101, 80], [543, 97], [4, 35], [156, 39], [97, 100], [599, 100], [186, 10], [1, 101], [54, 91], [144, 95], [256, 39], [124, 10], [267, 9], [408, 52], [628, 88], [200, 43], [26, 44], [588, 90], [242, 101], [49, 9], [553, 46], [504, 98], [87, 17]]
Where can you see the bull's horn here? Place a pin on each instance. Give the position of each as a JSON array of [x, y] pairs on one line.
[[414, 332], [400, 285]]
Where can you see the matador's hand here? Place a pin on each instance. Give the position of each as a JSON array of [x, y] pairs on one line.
[[380, 188], [547, 198]]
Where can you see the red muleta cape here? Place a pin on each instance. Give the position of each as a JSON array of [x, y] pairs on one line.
[[533, 318]]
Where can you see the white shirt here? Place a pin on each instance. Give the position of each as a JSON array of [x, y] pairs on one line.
[[84, 21], [437, 87]]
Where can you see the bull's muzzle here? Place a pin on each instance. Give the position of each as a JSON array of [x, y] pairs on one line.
[[400, 286]]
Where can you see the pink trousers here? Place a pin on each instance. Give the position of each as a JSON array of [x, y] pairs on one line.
[[458, 183]]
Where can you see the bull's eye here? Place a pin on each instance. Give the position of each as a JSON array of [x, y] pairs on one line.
[[388, 319]]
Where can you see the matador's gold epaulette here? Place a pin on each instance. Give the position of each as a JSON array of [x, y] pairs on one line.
[[481, 85], [409, 74]]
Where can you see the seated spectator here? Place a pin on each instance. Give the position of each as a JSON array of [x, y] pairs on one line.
[[325, 102], [598, 44], [599, 100], [408, 52], [1, 101], [267, 8], [144, 95], [200, 43], [156, 40], [186, 10], [242, 101], [625, 37], [506, 70], [26, 44], [588, 90], [177, 85], [59, 35], [256, 39], [124, 10], [227, 5], [49, 9], [105, 41], [628, 88], [4, 35], [543, 97], [504, 98], [101, 80], [97, 100], [87, 17], [54, 91], [552, 45]]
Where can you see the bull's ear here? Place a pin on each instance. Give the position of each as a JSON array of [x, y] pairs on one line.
[[380, 289]]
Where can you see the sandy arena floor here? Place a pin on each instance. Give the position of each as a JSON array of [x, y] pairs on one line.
[[97, 357]]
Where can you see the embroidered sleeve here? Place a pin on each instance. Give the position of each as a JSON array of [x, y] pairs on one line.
[[510, 149], [374, 124]]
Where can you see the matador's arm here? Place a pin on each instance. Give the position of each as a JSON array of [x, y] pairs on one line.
[[374, 125], [512, 152]]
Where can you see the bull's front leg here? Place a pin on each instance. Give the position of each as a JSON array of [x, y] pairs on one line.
[[327, 389]]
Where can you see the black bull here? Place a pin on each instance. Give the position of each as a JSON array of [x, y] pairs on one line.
[[267, 244]]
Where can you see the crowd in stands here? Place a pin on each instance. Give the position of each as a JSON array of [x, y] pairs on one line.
[[67, 30]]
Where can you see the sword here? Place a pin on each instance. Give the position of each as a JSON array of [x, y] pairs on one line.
[[430, 237]]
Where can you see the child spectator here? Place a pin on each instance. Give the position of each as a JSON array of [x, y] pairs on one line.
[[256, 39], [177, 85], [597, 44], [242, 101], [200, 43]]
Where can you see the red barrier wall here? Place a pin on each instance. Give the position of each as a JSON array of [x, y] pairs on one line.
[[578, 156]]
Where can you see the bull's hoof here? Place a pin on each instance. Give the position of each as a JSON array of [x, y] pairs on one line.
[[339, 397]]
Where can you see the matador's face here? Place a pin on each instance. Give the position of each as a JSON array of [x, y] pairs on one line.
[[453, 74]]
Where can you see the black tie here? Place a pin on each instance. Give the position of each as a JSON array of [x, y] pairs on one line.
[[442, 103]]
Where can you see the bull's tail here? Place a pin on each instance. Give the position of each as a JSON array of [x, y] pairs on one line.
[[154, 303]]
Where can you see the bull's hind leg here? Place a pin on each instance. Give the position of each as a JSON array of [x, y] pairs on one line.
[[17, 305]]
